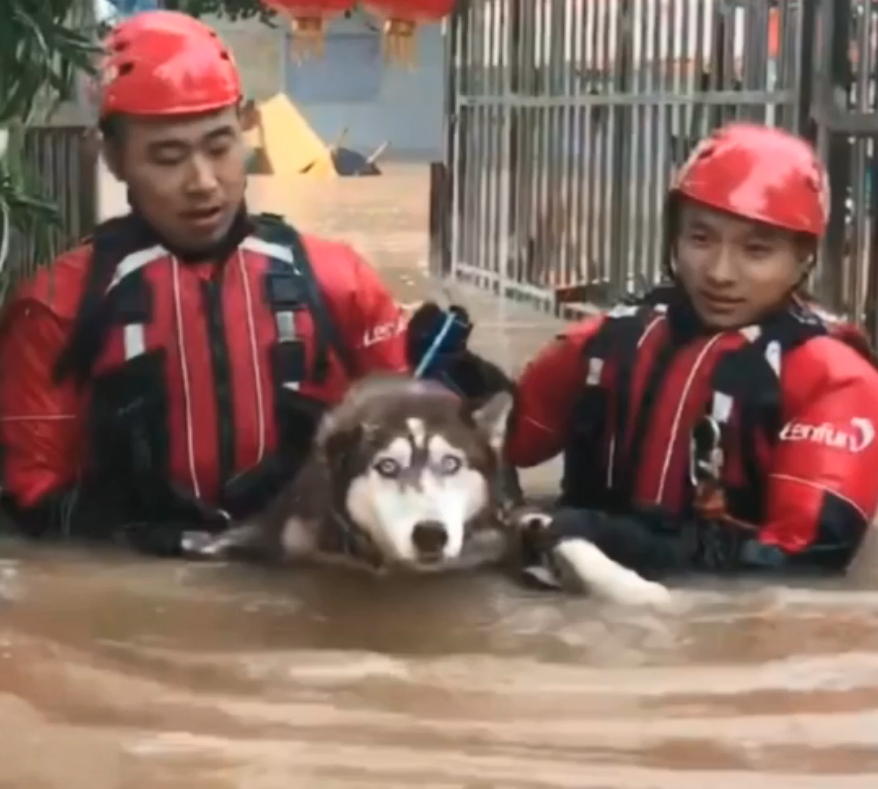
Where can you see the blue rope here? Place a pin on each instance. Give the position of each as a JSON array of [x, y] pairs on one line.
[[430, 355]]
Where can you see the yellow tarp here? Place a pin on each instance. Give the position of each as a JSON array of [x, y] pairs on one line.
[[283, 143], [289, 143]]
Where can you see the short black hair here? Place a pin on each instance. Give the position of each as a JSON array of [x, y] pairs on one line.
[[111, 127]]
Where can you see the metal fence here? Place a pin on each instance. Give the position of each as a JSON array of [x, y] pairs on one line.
[[61, 162], [567, 118], [844, 121]]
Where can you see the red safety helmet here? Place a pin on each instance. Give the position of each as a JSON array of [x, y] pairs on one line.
[[760, 173], [166, 63]]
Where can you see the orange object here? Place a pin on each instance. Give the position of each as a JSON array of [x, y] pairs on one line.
[[308, 20], [400, 22]]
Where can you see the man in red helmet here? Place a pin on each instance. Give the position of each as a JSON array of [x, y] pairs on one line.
[[170, 371], [718, 423]]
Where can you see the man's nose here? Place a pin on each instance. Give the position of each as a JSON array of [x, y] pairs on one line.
[[722, 268], [202, 177]]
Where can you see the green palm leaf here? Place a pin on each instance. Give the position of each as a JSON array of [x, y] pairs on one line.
[[43, 47]]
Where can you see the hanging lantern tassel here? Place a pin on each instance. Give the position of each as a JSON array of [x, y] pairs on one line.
[[308, 37], [399, 41]]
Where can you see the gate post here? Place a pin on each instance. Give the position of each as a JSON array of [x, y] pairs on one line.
[[440, 221], [834, 83], [620, 172]]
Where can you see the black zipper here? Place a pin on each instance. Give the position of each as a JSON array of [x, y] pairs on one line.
[[222, 376]]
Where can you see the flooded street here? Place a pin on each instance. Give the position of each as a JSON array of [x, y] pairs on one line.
[[122, 673]]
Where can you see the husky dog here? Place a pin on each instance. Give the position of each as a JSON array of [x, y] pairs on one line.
[[402, 474]]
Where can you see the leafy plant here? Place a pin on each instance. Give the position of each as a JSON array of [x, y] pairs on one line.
[[232, 9], [43, 46]]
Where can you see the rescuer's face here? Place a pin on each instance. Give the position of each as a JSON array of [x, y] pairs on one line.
[[186, 176], [735, 270]]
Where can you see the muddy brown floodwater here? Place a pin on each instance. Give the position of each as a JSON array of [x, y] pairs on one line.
[[122, 673]]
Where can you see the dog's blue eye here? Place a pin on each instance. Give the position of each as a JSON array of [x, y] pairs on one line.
[[388, 468], [450, 464]]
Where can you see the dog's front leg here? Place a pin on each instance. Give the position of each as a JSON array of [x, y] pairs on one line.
[[579, 560], [608, 579]]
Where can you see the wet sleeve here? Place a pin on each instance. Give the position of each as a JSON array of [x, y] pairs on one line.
[[823, 479], [41, 422], [546, 393], [375, 323]]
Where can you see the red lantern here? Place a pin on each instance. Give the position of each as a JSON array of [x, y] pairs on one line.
[[308, 21], [401, 19]]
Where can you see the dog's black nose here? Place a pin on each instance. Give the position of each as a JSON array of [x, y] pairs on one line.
[[429, 538]]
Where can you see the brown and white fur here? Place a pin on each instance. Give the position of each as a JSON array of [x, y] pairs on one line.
[[402, 474]]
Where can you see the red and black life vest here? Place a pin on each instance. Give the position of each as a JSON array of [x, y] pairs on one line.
[[641, 365], [128, 329]]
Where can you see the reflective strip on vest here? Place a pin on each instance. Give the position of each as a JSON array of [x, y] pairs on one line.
[[134, 262], [135, 342], [721, 407], [270, 250], [286, 332]]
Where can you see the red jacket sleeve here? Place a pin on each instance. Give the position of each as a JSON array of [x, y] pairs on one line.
[[40, 421], [546, 394], [370, 322], [823, 477]]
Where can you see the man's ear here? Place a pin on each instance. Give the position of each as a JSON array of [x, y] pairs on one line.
[[493, 418]]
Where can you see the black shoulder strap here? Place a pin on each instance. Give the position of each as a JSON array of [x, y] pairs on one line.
[[273, 229], [618, 340], [111, 242], [748, 376]]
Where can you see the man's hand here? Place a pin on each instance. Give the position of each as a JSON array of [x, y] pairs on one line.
[[425, 326], [452, 363], [174, 538], [531, 527]]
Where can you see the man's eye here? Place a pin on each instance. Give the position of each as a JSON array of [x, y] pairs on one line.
[[757, 250], [218, 150]]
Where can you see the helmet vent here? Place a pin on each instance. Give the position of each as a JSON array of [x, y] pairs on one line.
[[125, 68]]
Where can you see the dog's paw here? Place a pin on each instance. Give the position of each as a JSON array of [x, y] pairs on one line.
[[529, 519]]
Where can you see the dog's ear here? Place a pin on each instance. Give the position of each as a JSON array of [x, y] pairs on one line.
[[492, 418]]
